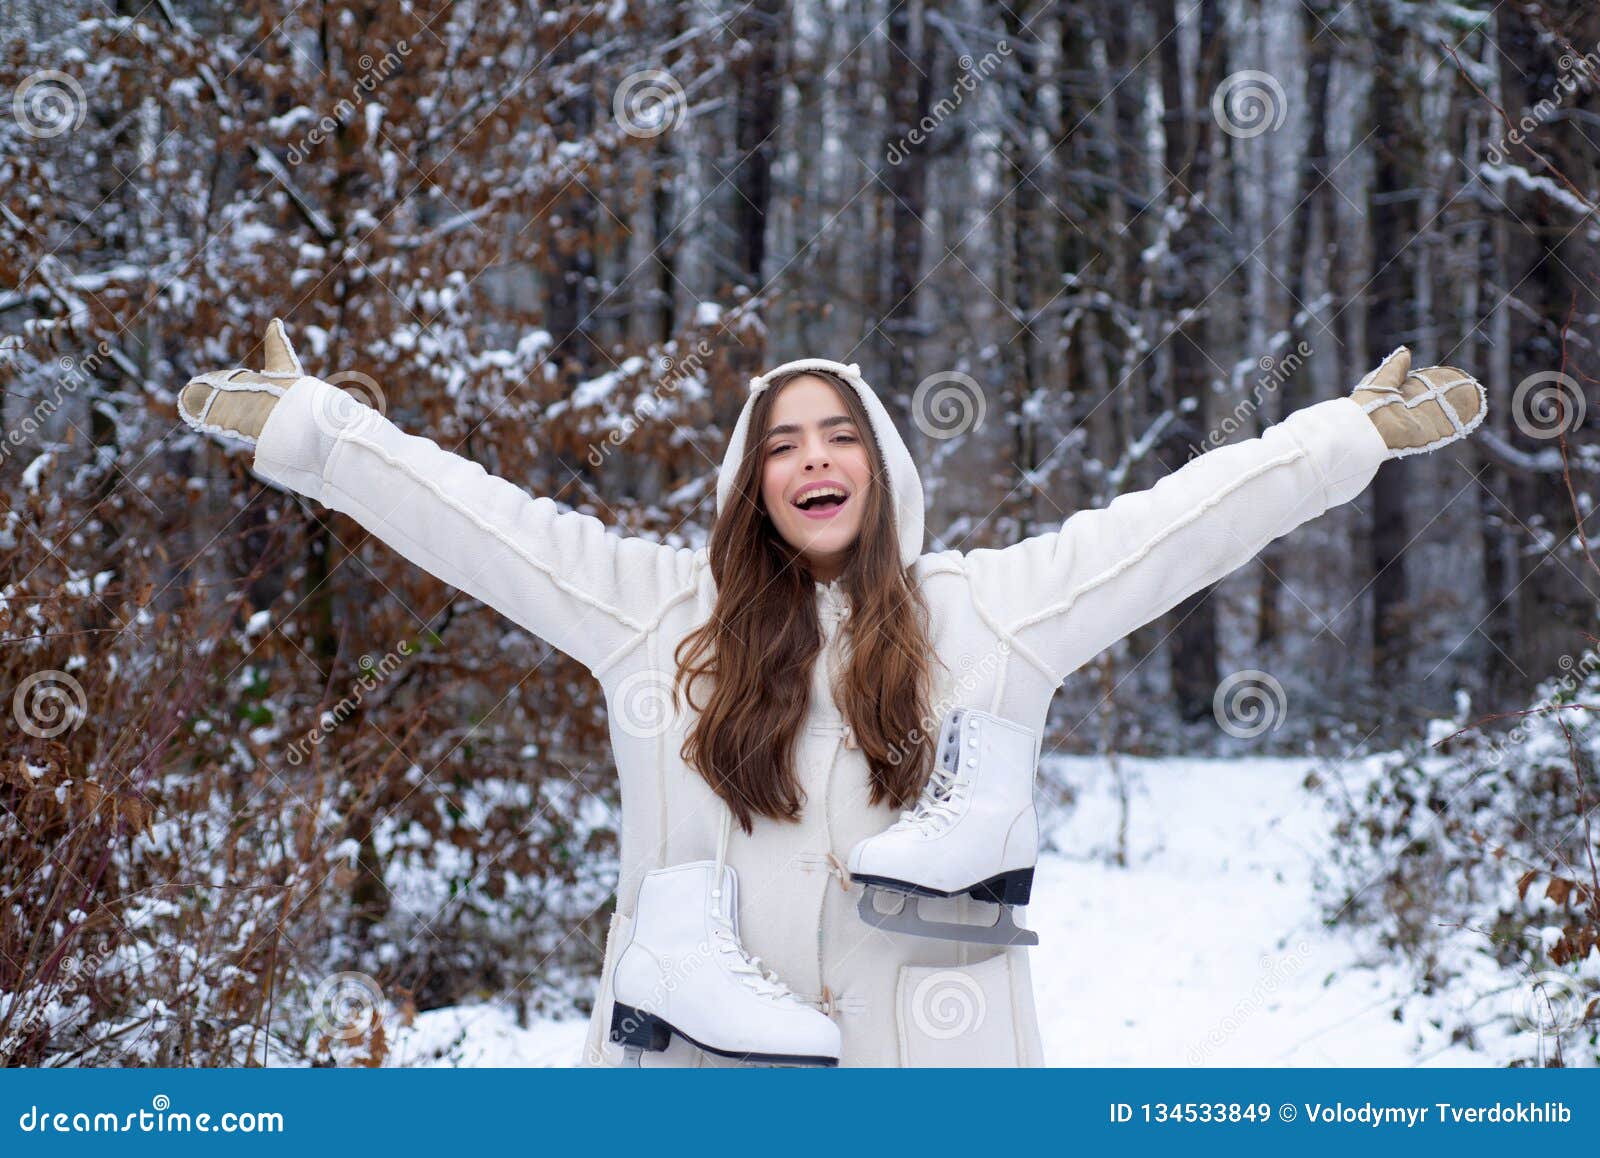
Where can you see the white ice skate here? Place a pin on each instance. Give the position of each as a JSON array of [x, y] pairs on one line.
[[974, 830], [686, 972]]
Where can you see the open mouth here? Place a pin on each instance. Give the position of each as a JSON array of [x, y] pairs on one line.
[[822, 506]]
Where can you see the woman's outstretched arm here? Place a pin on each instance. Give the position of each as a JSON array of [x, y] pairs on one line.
[[1070, 593], [560, 574]]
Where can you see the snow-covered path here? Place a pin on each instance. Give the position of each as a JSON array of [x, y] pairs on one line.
[[1206, 950]]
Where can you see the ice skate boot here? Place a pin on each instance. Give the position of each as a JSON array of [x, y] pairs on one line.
[[974, 830], [685, 971]]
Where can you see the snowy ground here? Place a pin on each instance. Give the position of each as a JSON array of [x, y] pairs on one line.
[[1206, 950]]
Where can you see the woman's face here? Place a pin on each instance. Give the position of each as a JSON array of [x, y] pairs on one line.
[[811, 440]]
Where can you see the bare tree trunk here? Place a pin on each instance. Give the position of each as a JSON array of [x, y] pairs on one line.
[[764, 27], [1311, 208], [1193, 644], [1550, 267], [1023, 249], [1390, 322]]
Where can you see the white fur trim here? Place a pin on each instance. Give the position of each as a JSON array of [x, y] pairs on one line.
[[220, 383], [1366, 382], [1435, 393]]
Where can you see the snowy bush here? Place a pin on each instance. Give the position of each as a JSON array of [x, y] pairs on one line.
[[1473, 857], [266, 787], [190, 880]]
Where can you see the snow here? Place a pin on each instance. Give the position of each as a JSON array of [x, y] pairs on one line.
[[486, 1035], [1497, 176], [1207, 950], [285, 123], [35, 470]]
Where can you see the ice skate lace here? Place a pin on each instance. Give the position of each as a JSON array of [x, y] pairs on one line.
[[743, 964], [746, 965], [940, 803]]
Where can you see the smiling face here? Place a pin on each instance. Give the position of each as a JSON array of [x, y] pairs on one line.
[[812, 440]]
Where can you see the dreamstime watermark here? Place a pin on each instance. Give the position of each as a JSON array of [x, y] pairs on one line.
[[1274, 373], [972, 71], [643, 704], [344, 410], [1577, 72], [74, 973], [372, 673], [347, 1006], [79, 968], [373, 73], [161, 1118], [671, 973], [73, 375], [1575, 672], [947, 1004], [932, 723], [1248, 703], [649, 102], [947, 403], [676, 371], [48, 703], [1274, 972], [49, 103], [1552, 1002], [1548, 404], [1250, 103]]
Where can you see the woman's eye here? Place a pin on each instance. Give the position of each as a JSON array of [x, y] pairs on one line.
[[779, 449]]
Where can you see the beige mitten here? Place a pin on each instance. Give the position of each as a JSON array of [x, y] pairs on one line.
[[235, 403], [1420, 410]]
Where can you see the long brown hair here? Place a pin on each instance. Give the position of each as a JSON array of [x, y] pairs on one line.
[[763, 636]]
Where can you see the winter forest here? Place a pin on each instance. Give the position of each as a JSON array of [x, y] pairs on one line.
[[272, 795]]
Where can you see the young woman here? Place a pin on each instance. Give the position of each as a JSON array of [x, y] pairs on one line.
[[808, 659]]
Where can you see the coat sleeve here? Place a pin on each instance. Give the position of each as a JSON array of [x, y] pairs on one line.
[[560, 574], [1068, 594]]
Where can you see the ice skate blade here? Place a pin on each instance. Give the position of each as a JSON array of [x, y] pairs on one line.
[[906, 919], [638, 1028]]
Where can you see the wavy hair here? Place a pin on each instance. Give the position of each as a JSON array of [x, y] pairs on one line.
[[759, 644]]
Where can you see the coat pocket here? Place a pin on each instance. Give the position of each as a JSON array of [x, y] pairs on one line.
[[958, 1015]]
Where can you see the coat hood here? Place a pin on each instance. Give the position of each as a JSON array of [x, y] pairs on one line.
[[905, 484]]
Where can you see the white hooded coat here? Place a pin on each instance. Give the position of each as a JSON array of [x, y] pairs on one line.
[[1008, 626]]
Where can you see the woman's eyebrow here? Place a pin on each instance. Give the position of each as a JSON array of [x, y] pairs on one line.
[[793, 428]]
